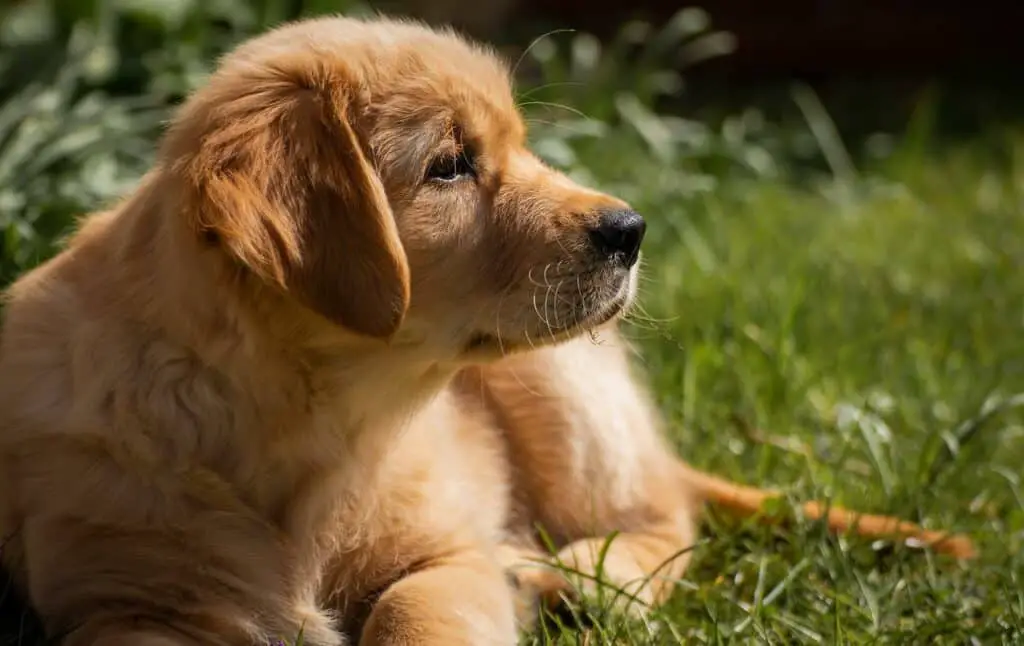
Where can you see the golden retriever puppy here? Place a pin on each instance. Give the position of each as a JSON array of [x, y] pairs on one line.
[[280, 388], [227, 408]]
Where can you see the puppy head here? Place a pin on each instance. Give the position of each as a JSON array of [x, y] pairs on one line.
[[377, 173]]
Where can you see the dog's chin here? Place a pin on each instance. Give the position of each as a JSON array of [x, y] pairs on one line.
[[487, 346]]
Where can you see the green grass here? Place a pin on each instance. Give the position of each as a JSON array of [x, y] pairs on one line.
[[845, 331], [860, 343]]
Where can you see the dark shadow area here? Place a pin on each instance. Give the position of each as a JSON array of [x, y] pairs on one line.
[[18, 624]]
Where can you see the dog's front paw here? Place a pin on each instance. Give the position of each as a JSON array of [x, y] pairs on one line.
[[538, 584], [605, 576], [460, 600]]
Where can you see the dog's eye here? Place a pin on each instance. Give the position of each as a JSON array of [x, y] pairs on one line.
[[450, 168]]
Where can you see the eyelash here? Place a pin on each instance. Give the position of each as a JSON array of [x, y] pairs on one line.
[[450, 168]]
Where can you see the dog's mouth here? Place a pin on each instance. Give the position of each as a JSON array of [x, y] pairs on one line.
[[490, 343], [480, 341]]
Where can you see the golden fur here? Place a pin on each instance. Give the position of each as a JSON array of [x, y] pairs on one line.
[[279, 388], [227, 408]]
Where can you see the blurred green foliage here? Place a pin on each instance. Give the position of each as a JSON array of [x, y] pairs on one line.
[[85, 86]]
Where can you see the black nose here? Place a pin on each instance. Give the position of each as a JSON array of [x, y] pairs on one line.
[[618, 235]]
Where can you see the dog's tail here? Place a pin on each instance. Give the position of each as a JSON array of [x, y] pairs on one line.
[[743, 501]]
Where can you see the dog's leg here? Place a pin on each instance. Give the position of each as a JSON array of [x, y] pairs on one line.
[[460, 600], [591, 461], [184, 563], [103, 586]]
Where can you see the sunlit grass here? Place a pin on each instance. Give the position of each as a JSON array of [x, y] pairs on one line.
[[863, 346]]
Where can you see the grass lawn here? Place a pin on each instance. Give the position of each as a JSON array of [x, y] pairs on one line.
[[859, 341]]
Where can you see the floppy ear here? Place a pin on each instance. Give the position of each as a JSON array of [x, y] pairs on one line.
[[280, 180]]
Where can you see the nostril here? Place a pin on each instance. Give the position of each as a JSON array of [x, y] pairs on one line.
[[618, 235]]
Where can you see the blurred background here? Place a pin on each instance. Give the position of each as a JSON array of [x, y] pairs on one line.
[[833, 296], [86, 84]]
